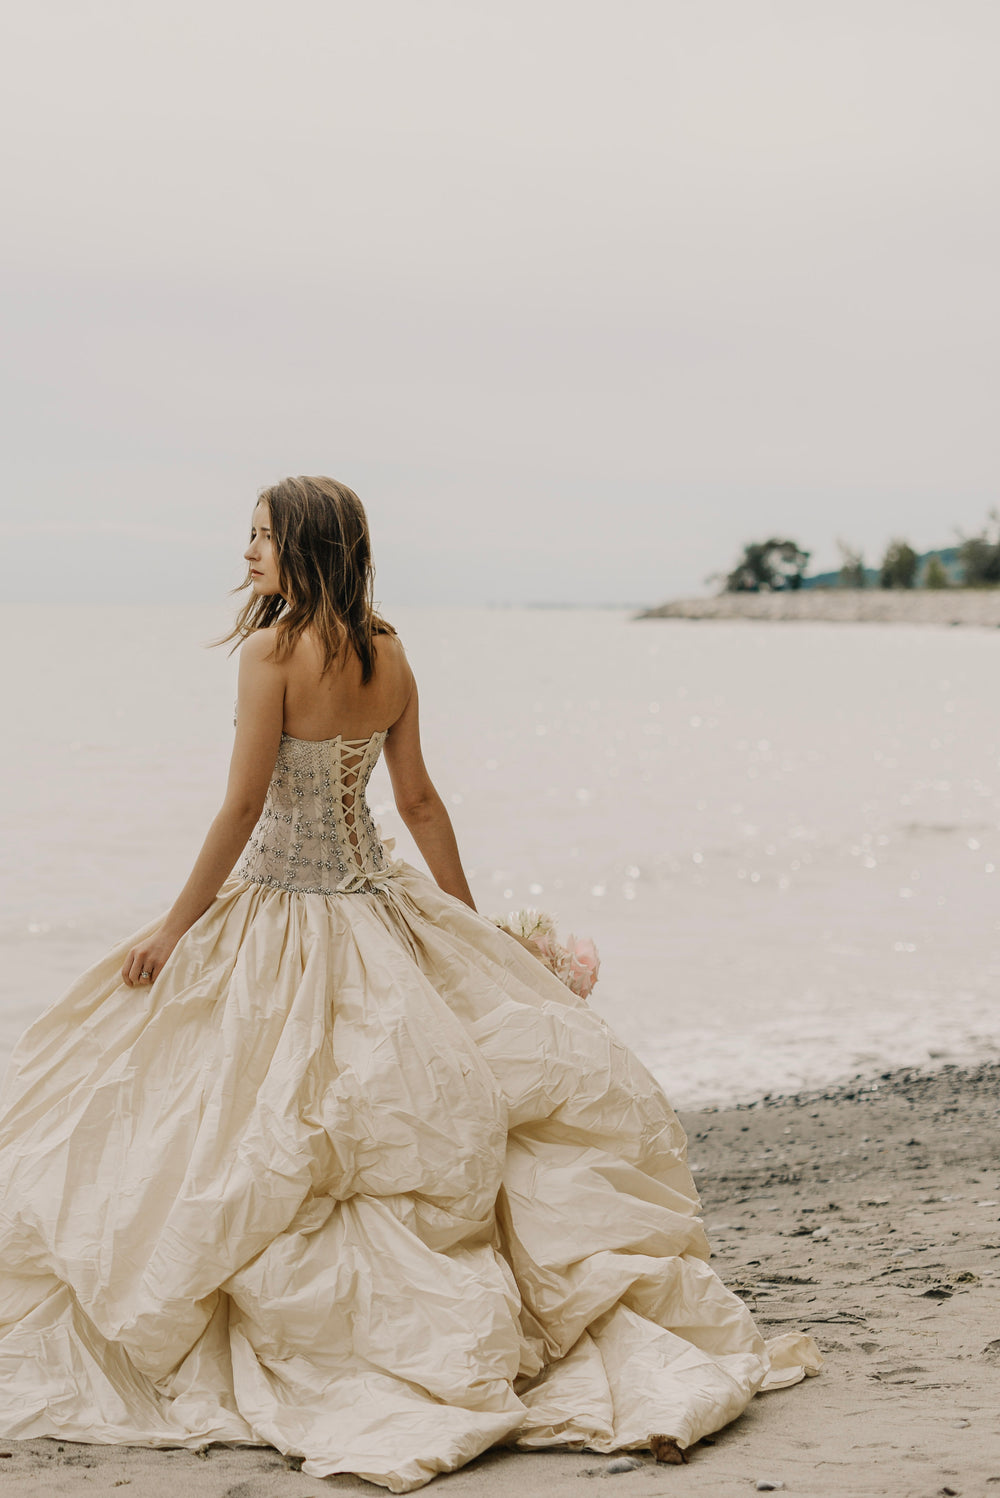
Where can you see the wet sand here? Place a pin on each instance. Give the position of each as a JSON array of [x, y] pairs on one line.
[[868, 1215]]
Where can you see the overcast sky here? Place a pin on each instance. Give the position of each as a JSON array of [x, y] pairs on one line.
[[578, 296]]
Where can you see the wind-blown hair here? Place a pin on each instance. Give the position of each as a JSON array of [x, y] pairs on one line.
[[323, 550]]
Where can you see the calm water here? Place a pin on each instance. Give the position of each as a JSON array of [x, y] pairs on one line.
[[785, 839]]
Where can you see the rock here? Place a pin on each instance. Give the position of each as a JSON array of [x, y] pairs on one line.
[[666, 1450], [991, 1352], [623, 1464], [768, 1484]]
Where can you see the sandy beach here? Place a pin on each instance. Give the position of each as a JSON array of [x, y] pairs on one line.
[[975, 606], [867, 1215]]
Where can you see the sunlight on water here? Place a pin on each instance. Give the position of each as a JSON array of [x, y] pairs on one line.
[[783, 838]]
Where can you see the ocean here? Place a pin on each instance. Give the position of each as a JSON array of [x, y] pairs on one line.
[[785, 839]]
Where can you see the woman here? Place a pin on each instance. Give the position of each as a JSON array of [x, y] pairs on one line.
[[325, 1160]]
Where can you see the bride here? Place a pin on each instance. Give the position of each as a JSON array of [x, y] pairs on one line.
[[323, 1159]]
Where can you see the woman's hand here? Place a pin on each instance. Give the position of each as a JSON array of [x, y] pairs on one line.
[[145, 962]]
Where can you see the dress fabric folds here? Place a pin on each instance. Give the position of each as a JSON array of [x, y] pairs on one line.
[[356, 1178]]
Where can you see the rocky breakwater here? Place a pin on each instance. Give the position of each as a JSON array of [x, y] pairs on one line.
[[976, 606]]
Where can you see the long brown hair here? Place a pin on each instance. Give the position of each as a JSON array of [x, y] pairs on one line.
[[320, 534]]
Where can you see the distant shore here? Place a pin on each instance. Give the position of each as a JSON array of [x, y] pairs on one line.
[[976, 606]]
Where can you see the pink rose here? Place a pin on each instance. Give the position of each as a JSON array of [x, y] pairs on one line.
[[583, 967]]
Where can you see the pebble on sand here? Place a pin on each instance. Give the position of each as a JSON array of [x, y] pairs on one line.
[[623, 1464]]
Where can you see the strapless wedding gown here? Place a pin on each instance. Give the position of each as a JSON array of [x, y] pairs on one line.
[[356, 1178]]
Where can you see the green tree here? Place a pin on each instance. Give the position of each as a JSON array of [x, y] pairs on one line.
[[852, 568], [980, 555], [899, 566], [768, 567], [936, 573]]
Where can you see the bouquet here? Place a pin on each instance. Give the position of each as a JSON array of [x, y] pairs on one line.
[[576, 963]]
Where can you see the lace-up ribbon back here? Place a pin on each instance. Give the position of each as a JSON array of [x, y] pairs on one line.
[[316, 834]]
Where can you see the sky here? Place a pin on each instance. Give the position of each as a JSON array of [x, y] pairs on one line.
[[578, 296]]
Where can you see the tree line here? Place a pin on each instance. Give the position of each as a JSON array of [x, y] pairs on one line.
[[779, 565]]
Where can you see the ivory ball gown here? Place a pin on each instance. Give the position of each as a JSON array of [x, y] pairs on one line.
[[356, 1178]]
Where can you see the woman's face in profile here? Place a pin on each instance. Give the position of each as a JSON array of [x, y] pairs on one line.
[[260, 554]]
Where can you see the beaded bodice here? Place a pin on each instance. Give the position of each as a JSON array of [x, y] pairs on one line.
[[316, 834]]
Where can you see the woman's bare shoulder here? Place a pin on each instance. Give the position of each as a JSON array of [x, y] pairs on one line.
[[259, 644], [388, 645], [390, 654], [393, 676]]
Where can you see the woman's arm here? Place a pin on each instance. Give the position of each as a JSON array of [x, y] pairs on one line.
[[420, 806], [258, 734]]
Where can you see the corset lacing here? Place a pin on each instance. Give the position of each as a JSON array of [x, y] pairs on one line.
[[316, 834]]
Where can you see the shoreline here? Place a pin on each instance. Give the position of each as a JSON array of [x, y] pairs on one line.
[[979, 607], [867, 1214]]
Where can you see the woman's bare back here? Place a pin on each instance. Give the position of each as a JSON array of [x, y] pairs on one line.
[[322, 705]]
